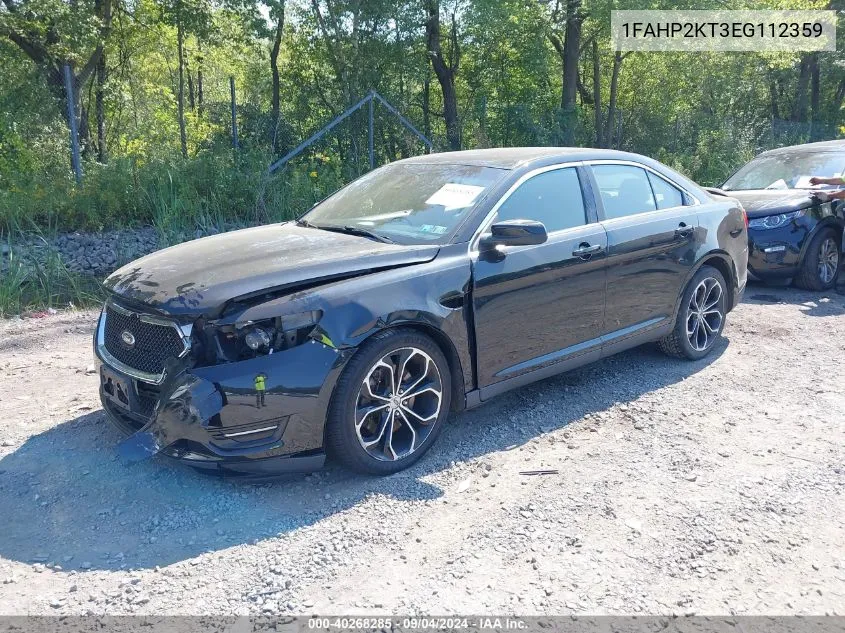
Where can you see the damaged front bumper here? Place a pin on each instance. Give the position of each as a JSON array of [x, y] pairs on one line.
[[214, 418]]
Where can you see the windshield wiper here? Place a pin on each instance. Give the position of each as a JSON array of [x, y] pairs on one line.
[[357, 230], [306, 223]]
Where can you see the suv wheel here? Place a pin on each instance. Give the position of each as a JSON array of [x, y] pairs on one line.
[[701, 316], [390, 403], [821, 262]]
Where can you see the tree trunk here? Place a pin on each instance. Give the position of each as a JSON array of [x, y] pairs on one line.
[[426, 105], [838, 98], [274, 69], [445, 71], [200, 95], [815, 100], [773, 96], [180, 92], [192, 104], [571, 49], [614, 93], [102, 154], [597, 93], [799, 105]]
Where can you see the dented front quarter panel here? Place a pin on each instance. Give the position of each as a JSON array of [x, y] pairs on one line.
[[432, 297]]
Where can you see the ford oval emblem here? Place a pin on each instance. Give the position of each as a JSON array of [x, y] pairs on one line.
[[128, 338]]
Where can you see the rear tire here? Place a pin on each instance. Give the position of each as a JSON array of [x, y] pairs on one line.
[[701, 316], [390, 403], [820, 267]]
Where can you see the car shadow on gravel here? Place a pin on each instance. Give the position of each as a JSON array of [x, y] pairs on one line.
[[813, 303], [70, 502]]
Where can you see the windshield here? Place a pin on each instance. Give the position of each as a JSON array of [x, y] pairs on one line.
[[786, 170], [407, 203]]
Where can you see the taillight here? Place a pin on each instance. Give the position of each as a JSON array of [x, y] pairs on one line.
[[745, 217]]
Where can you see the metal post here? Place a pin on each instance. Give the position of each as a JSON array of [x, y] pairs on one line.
[[234, 114], [619, 129], [372, 149], [75, 160]]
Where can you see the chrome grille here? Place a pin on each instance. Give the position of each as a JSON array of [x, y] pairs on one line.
[[155, 341]]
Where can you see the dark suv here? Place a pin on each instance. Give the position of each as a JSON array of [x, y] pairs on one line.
[[428, 285], [795, 234]]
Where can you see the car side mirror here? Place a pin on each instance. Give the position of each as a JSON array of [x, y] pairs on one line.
[[514, 233]]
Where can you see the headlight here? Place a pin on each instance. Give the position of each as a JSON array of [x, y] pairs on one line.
[[774, 221], [247, 339]]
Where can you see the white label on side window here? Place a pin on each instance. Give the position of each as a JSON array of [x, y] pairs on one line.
[[455, 196]]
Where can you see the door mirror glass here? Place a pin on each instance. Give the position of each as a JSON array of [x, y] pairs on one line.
[[514, 233]]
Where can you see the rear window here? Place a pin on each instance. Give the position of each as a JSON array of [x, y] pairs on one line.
[[625, 190], [666, 196]]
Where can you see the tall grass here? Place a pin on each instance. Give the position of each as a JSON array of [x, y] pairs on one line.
[[34, 282], [212, 192], [176, 196]]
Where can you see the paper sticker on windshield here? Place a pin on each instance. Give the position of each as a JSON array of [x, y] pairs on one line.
[[455, 196], [803, 182], [434, 228]]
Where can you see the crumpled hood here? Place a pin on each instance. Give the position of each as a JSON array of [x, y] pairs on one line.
[[761, 202], [201, 276]]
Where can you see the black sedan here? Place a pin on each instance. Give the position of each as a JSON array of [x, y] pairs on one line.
[[428, 285], [795, 234]]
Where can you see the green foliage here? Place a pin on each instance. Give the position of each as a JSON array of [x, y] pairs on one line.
[[703, 113], [176, 196], [31, 282]]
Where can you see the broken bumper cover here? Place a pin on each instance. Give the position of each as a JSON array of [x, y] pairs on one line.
[[213, 418]]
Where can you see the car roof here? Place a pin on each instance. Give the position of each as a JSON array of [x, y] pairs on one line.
[[821, 146], [513, 157]]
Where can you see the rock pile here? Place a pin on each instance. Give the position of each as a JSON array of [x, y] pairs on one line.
[[94, 254], [100, 254]]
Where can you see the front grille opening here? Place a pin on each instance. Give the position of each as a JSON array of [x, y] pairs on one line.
[[149, 345]]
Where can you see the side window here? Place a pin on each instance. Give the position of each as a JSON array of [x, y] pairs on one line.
[[553, 198], [666, 195], [625, 190]]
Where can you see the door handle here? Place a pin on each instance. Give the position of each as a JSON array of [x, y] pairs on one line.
[[584, 250], [683, 230], [736, 232]]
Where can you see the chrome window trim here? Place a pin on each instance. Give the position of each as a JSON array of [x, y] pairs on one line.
[[184, 332], [631, 163], [488, 219]]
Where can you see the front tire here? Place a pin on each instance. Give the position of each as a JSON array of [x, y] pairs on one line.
[[820, 267], [701, 316], [390, 403]]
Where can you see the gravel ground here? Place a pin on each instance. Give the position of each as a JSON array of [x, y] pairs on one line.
[[707, 487]]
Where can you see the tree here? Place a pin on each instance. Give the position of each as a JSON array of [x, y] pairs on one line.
[[568, 49], [188, 17], [277, 14], [54, 33], [445, 70]]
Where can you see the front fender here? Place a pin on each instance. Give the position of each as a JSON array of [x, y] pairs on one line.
[[434, 295]]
